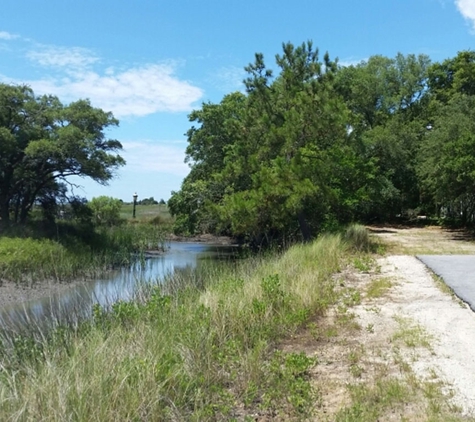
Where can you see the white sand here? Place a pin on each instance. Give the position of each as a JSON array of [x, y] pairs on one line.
[[449, 323]]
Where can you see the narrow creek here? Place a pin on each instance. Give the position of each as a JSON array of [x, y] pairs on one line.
[[76, 303]]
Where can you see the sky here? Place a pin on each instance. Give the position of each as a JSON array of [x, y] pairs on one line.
[[151, 62]]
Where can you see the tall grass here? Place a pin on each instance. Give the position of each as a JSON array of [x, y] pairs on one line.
[[75, 252], [198, 347]]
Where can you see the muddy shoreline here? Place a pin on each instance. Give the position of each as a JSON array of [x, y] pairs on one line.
[[13, 293]]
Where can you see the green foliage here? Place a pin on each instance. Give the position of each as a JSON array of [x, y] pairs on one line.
[[149, 201], [105, 210], [42, 142], [392, 140], [448, 162], [263, 167]]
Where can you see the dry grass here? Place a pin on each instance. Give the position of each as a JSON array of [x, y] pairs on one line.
[[424, 240]]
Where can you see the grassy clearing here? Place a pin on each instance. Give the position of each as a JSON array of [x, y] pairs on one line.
[[425, 241], [200, 347], [146, 213]]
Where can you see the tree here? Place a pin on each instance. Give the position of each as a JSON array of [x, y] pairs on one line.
[[447, 160], [42, 142], [148, 201], [388, 99], [212, 140], [275, 162], [452, 76]]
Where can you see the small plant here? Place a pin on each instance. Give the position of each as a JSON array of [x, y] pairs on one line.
[[351, 297], [363, 264], [356, 370], [378, 287], [411, 334]]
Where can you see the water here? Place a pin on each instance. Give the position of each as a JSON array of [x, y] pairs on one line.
[[76, 303]]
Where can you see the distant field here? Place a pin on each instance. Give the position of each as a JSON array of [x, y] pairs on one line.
[[146, 212]]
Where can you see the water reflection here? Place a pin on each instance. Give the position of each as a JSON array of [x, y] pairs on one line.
[[76, 303]]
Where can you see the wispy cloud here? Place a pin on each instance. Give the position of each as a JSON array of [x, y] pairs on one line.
[[467, 9], [351, 61], [151, 156], [229, 78], [7, 36], [72, 73], [62, 57]]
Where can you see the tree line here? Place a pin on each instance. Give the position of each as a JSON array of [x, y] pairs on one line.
[[316, 145]]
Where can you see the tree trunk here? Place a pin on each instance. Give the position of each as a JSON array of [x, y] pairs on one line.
[[304, 227], [4, 213]]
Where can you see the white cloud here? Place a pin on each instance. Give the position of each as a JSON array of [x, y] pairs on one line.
[[136, 91], [7, 36], [62, 57], [150, 156], [467, 9]]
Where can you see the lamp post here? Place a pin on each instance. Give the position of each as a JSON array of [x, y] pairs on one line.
[[135, 196]]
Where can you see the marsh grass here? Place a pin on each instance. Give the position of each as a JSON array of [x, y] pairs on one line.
[[199, 346], [74, 252]]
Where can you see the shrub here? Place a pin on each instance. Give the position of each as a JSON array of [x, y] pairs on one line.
[[105, 210]]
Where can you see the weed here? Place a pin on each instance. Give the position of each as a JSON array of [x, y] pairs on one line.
[[363, 263], [378, 287], [411, 334], [356, 370], [351, 297]]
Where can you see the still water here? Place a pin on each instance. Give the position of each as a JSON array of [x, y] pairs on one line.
[[77, 302]]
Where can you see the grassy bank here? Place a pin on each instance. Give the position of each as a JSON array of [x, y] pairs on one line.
[[71, 251], [200, 347]]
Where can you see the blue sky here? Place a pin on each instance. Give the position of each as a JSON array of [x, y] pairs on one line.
[[151, 62]]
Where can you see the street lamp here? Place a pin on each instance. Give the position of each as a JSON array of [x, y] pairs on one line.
[[135, 196]]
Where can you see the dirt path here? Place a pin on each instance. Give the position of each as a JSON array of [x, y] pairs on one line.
[[399, 345]]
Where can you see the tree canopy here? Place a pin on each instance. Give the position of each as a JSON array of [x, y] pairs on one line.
[[42, 142], [317, 144]]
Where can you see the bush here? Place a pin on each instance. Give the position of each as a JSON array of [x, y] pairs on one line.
[[106, 210]]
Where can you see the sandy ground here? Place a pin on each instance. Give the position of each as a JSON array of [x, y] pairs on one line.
[[448, 324], [417, 328]]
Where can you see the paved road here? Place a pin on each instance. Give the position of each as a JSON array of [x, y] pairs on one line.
[[458, 272]]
